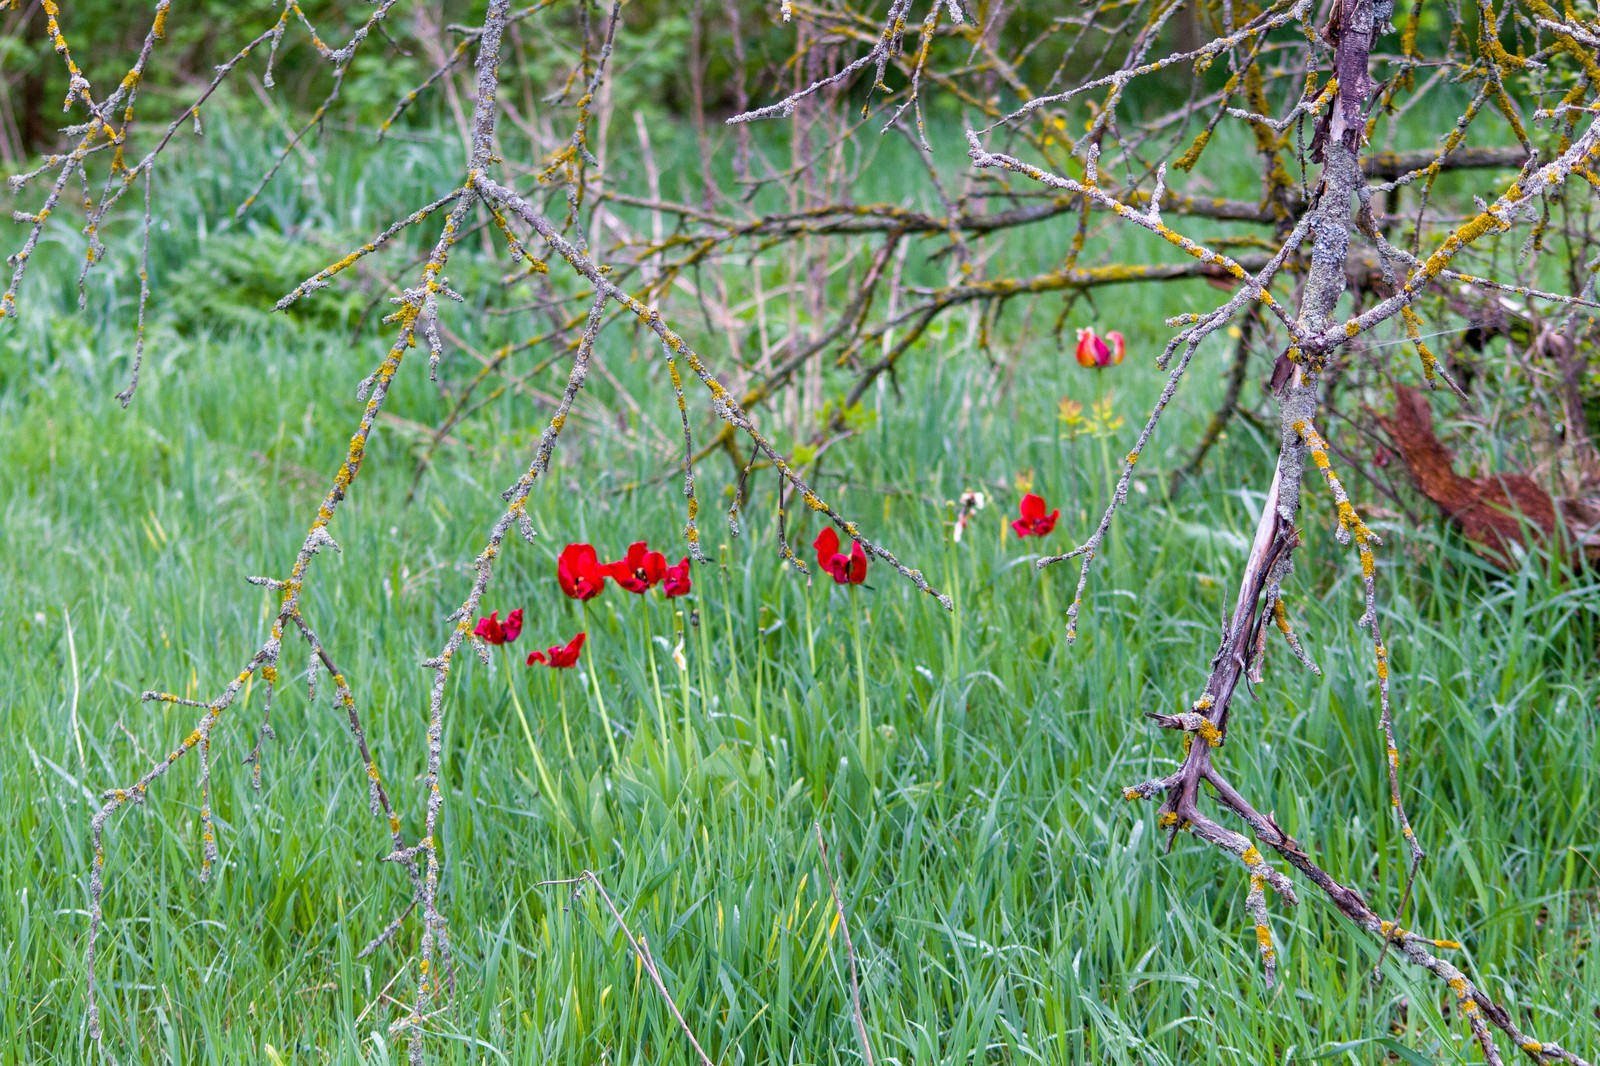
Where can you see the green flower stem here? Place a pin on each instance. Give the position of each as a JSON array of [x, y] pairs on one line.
[[600, 701], [681, 630], [655, 680], [702, 642], [811, 633], [865, 724], [566, 730], [516, 701], [1102, 433]]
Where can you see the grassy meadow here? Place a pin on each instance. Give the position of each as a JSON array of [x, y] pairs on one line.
[[1006, 904]]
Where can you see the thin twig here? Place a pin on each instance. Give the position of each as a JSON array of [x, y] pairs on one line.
[[849, 947]]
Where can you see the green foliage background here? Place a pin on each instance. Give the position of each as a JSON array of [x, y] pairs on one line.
[[1009, 907], [654, 53]]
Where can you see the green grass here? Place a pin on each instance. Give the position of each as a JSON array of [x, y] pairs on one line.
[[1008, 906]]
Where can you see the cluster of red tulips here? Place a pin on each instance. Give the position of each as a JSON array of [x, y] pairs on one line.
[[492, 630], [582, 576]]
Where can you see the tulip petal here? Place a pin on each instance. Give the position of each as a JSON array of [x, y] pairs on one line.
[[1085, 351], [677, 581], [489, 629], [827, 545], [579, 572], [563, 657]]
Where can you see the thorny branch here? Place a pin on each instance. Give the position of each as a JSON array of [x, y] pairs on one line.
[[1313, 336]]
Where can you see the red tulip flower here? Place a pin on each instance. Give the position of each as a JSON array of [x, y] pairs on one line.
[[851, 570], [640, 570], [1034, 522], [1095, 353], [579, 571], [677, 582], [491, 630], [559, 657]]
